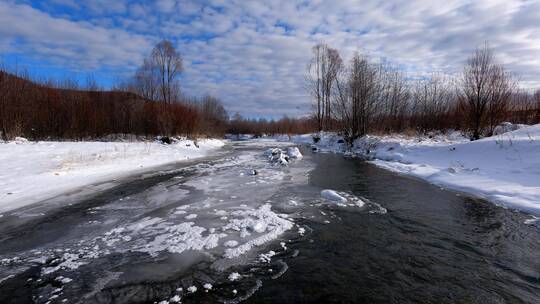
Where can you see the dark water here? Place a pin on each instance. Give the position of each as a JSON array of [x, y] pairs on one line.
[[433, 246]]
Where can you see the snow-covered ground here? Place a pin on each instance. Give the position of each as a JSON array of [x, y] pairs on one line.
[[504, 169], [34, 171]]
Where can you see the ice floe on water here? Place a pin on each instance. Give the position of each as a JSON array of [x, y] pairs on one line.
[[262, 221], [294, 152], [234, 276], [333, 196], [345, 199]]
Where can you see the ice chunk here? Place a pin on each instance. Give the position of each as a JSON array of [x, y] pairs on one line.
[[231, 243], [207, 286], [294, 152], [259, 226], [190, 216], [267, 257], [333, 196], [235, 276]]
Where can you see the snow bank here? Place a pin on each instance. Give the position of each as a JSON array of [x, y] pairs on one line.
[[504, 169], [507, 127], [34, 171]]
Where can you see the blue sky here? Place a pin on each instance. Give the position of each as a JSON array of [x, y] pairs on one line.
[[253, 54]]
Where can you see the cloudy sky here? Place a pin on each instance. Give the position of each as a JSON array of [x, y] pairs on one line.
[[253, 54]]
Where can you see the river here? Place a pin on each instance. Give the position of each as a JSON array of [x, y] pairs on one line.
[[153, 237]]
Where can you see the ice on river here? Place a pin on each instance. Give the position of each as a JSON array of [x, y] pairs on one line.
[[212, 211], [333, 196]]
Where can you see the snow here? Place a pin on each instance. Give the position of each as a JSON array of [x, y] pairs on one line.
[[207, 286], [192, 289], [294, 152], [333, 196], [213, 214], [507, 127], [190, 217], [278, 156], [266, 257], [230, 243], [235, 276], [63, 279], [34, 171], [262, 221], [504, 169]]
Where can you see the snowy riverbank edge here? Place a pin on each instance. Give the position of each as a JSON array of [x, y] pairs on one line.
[[503, 169], [34, 171]]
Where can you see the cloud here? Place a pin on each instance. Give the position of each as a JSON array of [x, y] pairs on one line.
[[71, 43], [253, 54]]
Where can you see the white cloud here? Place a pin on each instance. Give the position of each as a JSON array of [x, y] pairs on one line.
[[74, 43]]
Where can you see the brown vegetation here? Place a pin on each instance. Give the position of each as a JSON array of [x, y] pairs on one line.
[[149, 104], [37, 111], [370, 97]]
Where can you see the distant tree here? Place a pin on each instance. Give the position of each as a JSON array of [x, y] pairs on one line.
[[322, 72], [213, 116], [4, 93], [91, 83], [432, 98], [485, 90], [358, 94], [157, 77], [146, 80], [169, 64], [396, 95], [537, 105]]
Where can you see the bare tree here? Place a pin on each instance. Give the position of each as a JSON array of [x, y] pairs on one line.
[[169, 64], [432, 99], [4, 93], [395, 97], [485, 90], [364, 90], [321, 77], [157, 77], [537, 106], [357, 96], [146, 80], [213, 116]]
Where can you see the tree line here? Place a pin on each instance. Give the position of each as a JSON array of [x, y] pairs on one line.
[[362, 96], [353, 97], [269, 127], [150, 103]]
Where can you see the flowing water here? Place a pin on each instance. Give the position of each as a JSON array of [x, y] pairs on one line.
[[150, 237]]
